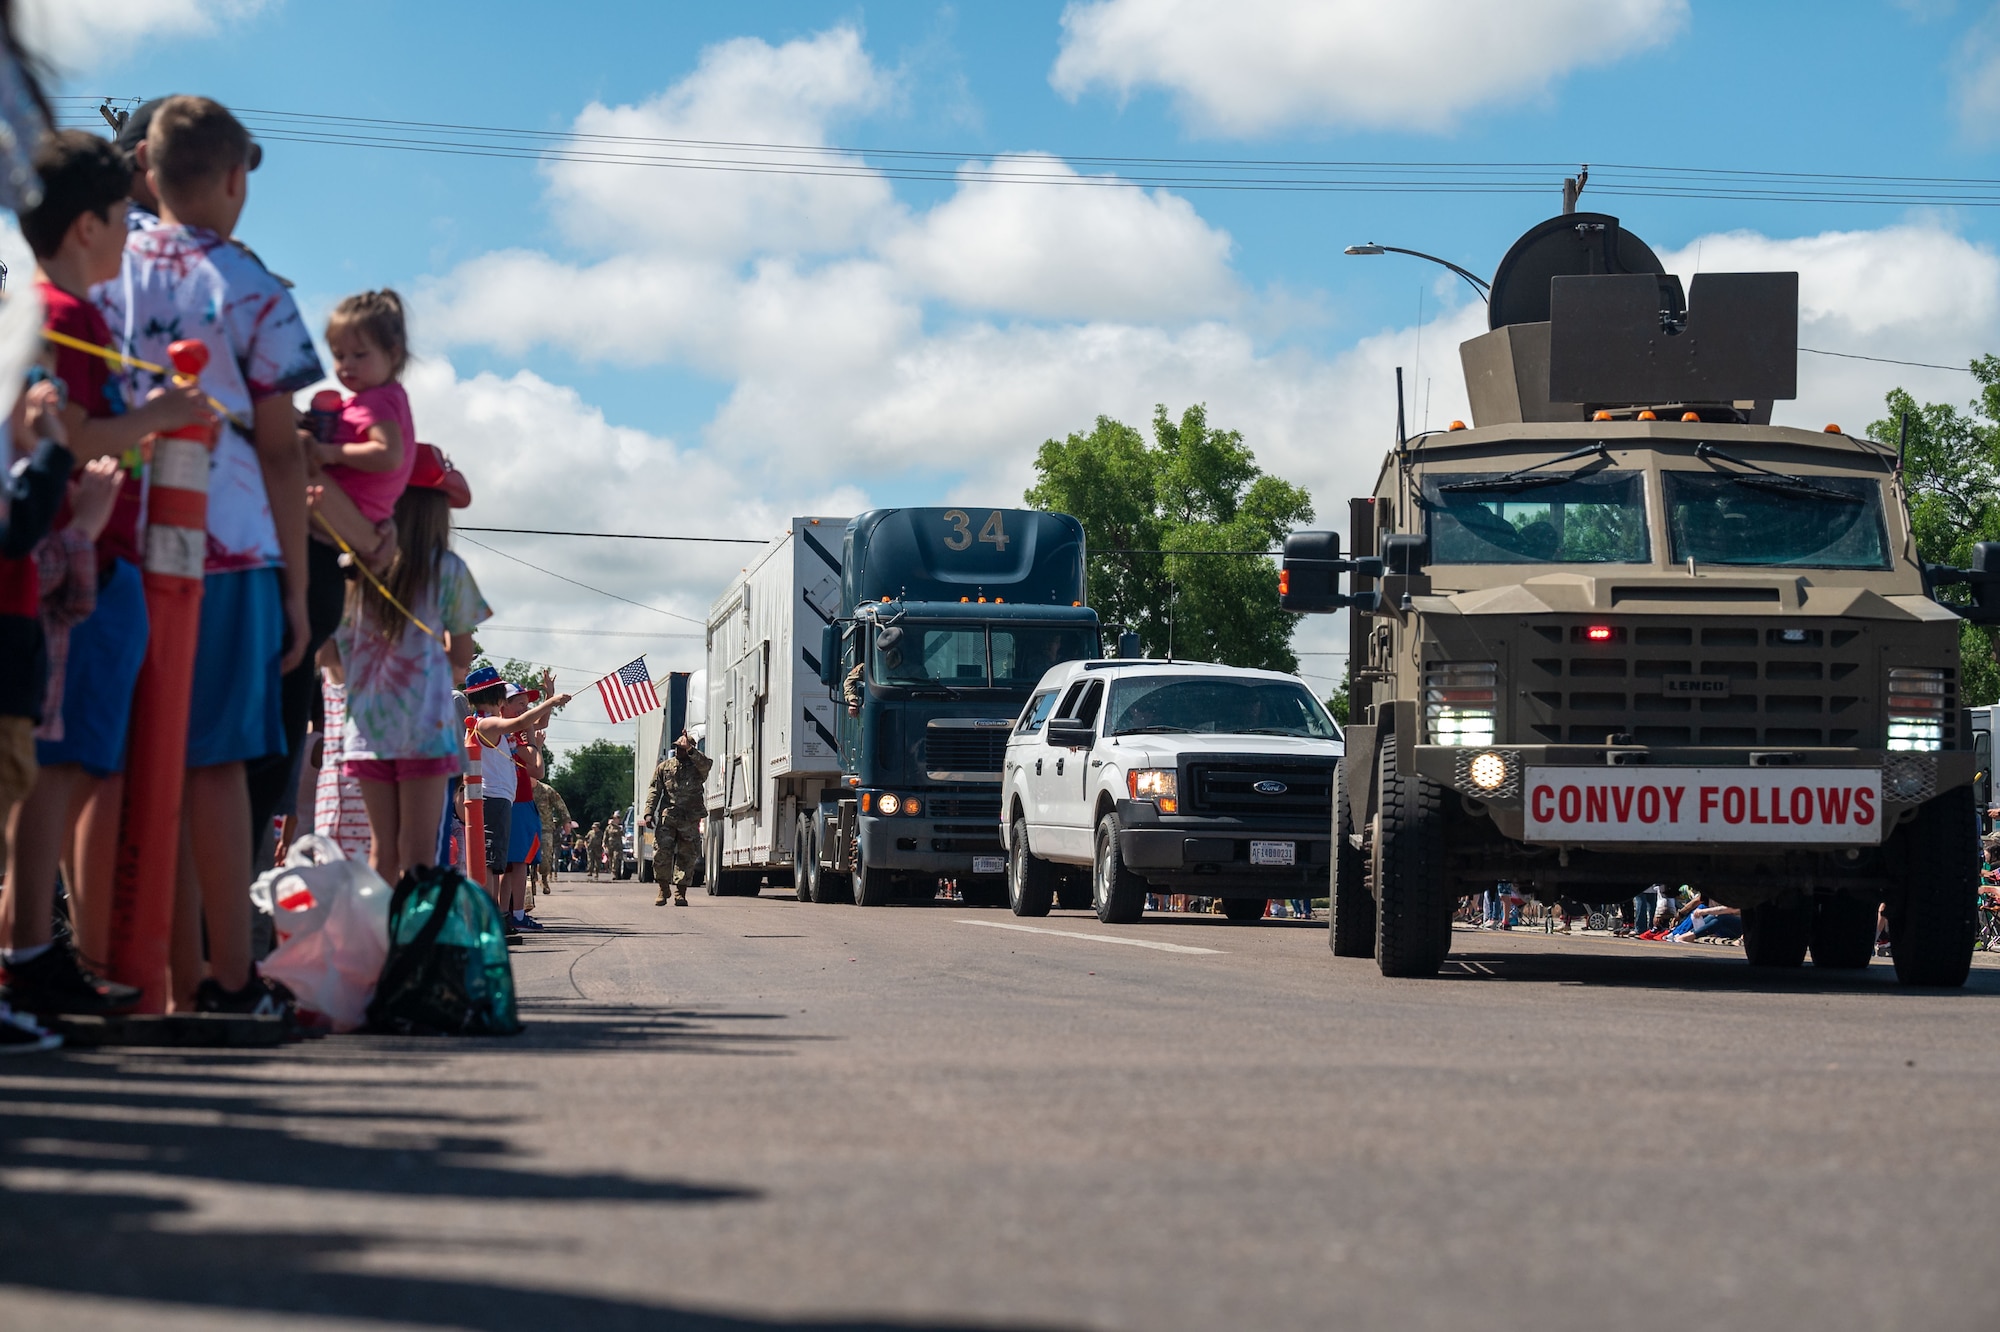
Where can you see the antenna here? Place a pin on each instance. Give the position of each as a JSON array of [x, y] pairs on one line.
[[1402, 433]]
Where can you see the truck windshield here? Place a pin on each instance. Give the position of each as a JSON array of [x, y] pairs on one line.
[[1594, 519], [1720, 518], [956, 656], [1156, 705]]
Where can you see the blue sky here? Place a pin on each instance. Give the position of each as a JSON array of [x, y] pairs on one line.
[[642, 349]]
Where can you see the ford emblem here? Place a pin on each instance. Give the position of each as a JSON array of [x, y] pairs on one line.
[[1270, 788]]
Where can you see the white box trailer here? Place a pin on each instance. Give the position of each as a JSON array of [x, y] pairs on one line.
[[773, 727]]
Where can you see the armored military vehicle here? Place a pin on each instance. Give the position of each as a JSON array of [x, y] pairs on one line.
[[1624, 631]]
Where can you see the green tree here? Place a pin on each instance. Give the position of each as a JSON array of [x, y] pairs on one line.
[[1951, 471], [595, 780], [1194, 488]]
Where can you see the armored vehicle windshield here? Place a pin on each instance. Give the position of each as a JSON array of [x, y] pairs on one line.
[[1751, 518], [1486, 518]]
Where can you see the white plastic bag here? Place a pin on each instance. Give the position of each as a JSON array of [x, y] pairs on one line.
[[331, 917]]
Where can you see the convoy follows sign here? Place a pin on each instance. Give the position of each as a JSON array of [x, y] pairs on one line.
[[1812, 805]]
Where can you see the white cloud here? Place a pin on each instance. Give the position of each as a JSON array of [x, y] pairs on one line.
[[77, 36], [1056, 251], [1913, 292], [1975, 79], [743, 92], [1243, 67]]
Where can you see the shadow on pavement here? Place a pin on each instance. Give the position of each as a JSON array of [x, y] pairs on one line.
[[1689, 967], [100, 1151]]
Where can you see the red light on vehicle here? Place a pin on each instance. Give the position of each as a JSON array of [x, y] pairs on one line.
[[1598, 633]]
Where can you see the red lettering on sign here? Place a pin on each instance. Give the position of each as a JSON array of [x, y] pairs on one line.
[[1755, 817], [1674, 794], [1833, 804], [1732, 804], [1621, 802], [1569, 804], [1707, 801], [1801, 804], [1864, 807], [1543, 812], [1593, 804], [1649, 804]]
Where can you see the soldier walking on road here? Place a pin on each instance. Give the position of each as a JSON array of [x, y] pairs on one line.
[[555, 821], [593, 846], [674, 810]]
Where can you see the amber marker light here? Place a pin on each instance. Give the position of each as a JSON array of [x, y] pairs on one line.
[[1649, 416]]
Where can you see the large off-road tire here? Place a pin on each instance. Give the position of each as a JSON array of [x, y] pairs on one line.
[[1934, 914], [1118, 894], [874, 887], [1031, 881], [1843, 933], [1412, 905], [802, 858], [1350, 908], [1072, 887], [1775, 934]]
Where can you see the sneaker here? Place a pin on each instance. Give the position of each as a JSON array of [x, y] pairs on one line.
[[527, 922], [681, 900], [21, 1034], [57, 982], [258, 998]]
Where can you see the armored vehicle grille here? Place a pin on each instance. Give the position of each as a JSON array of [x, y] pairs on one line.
[[1715, 685], [1306, 789], [964, 751]]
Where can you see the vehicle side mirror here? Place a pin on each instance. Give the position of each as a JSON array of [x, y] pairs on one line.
[[1406, 553], [1128, 646], [1309, 578], [829, 655], [1070, 735]]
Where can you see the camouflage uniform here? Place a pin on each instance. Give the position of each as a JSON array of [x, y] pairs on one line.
[[674, 805], [593, 845], [850, 690], [555, 818]]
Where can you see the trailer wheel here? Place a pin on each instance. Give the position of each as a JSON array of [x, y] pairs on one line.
[[1775, 934], [1118, 894], [1934, 913], [1031, 881], [1412, 907], [711, 846], [802, 840], [1843, 933], [645, 871], [1350, 907]]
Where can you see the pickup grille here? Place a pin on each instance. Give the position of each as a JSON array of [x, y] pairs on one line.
[[964, 751], [1816, 689], [1225, 787]]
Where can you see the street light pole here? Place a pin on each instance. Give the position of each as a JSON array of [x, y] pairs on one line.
[[1479, 284]]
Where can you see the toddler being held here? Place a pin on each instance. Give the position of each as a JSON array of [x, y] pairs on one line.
[[374, 442]]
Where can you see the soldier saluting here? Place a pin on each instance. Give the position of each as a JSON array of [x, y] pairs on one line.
[[674, 809]]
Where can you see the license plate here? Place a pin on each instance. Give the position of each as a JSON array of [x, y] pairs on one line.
[[1809, 805], [1274, 853], [989, 864]]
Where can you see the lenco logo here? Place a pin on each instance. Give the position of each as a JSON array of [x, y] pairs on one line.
[[1270, 788]]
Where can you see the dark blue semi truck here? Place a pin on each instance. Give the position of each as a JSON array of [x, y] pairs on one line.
[[953, 615]]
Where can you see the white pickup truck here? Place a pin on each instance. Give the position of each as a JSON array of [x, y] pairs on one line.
[[1168, 777]]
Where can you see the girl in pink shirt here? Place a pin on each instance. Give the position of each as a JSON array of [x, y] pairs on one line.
[[374, 443]]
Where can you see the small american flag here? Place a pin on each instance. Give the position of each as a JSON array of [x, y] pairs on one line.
[[628, 692]]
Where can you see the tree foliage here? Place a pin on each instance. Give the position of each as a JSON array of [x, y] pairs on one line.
[[1951, 470], [1192, 488], [595, 780]]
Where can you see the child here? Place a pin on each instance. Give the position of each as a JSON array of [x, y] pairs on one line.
[[184, 279], [488, 694], [339, 812], [374, 445], [400, 738]]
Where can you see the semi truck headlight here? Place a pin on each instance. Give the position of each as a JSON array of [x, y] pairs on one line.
[[889, 803], [1918, 698], [1459, 699], [1159, 785]]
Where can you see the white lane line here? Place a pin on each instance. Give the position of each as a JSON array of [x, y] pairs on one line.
[[1094, 938]]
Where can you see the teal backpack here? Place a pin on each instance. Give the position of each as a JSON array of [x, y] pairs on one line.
[[447, 973]]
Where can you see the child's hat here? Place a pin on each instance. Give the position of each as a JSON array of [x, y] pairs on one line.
[[433, 471], [482, 677]]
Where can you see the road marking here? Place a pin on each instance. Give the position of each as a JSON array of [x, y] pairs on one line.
[[1094, 938]]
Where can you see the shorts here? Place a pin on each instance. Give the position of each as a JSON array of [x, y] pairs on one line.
[[105, 653], [236, 712], [499, 823], [524, 842], [399, 770]]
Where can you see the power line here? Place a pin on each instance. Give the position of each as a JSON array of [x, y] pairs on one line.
[[673, 615], [1888, 360], [580, 633], [613, 536]]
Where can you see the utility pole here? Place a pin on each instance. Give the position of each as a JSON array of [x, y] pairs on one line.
[[1573, 186]]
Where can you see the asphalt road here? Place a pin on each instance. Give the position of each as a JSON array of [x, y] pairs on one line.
[[756, 1114]]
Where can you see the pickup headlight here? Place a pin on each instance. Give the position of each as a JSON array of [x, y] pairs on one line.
[[1459, 699], [1159, 785], [1917, 701]]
